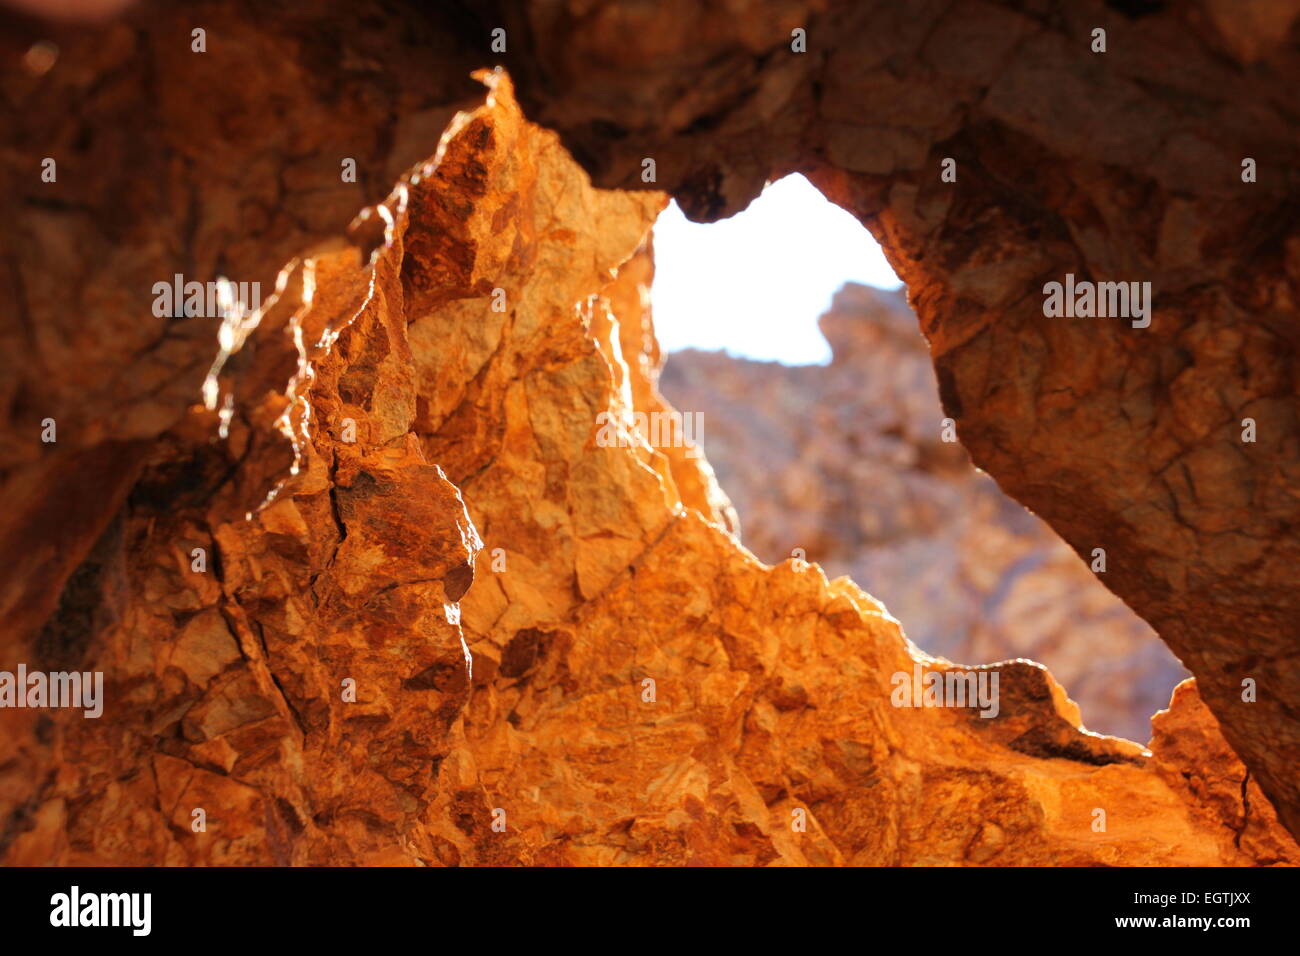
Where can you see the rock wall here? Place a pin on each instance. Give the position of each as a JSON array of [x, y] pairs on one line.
[[1163, 150], [857, 475], [391, 599]]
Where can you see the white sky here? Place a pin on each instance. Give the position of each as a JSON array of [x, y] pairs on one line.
[[756, 283]]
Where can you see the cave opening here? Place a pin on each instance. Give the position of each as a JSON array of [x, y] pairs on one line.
[[753, 285], [788, 334]]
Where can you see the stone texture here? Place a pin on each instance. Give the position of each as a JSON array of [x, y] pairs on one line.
[[857, 475], [500, 585], [151, 184], [1116, 166], [1123, 165]]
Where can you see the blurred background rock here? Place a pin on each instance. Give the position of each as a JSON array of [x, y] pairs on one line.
[[847, 462]]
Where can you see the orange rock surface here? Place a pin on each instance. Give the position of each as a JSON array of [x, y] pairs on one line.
[[435, 621]]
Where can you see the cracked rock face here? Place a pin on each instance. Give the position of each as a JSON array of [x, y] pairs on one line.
[[1124, 165], [394, 599], [858, 475]]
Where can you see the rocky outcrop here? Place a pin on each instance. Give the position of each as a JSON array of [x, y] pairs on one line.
[[147, 184], [862, 474], [1169, 158], [392, 598]]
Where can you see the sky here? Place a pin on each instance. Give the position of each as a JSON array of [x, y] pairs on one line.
[[755, 284]]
